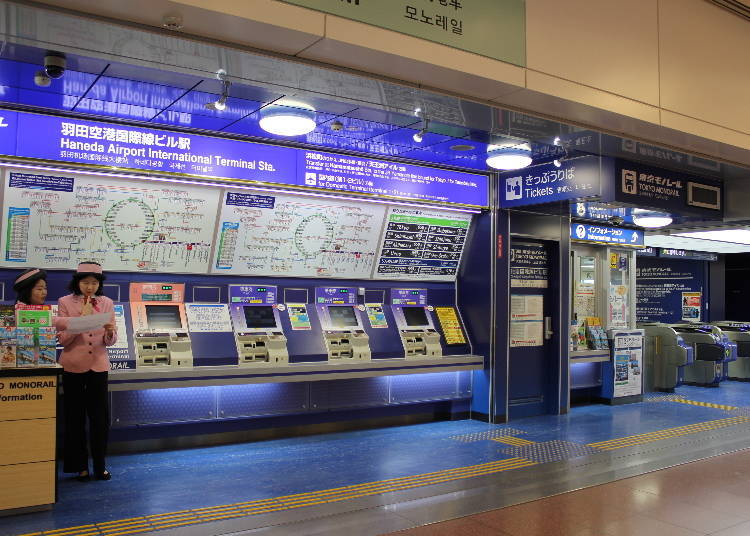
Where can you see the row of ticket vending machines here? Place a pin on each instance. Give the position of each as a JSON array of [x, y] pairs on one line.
[[695, 354], [335, 327]]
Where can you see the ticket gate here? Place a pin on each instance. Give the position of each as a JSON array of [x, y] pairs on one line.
[[711, 350], [739, 334], [665, 356]]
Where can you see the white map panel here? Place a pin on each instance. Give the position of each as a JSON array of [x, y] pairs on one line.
[[55, 220], [295, 236]]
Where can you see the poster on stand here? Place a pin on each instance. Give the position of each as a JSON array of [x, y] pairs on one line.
[[627, 349]]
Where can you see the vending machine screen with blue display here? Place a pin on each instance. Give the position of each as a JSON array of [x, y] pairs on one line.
[[342, 316]]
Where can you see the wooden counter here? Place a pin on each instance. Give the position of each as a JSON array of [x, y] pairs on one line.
[[28, 421]]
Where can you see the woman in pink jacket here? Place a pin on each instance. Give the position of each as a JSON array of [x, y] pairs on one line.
[[85, 367]]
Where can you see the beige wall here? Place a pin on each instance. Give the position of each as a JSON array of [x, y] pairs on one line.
[[670, 71]]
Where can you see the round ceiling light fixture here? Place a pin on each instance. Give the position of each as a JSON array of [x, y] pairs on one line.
[[290, 118], [650, 219], [509, 157]]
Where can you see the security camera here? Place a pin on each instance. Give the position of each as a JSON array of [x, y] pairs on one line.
[[55, 64], [337, 125], [616, 220], [41, 79]]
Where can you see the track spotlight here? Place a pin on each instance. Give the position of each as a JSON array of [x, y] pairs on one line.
[[419, 136], [220, 104]]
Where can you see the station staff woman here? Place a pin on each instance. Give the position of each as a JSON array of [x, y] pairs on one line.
[[85, 369], [31, 287]]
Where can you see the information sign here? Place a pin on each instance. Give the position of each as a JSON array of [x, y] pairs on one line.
[[409, 296], [529, 266], [450, 325], [336, 295], [602, 234], [208, 317]]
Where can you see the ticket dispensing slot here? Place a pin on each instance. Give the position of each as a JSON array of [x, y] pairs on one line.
[[258, 333], [159, 325], [419, 337], [343, 332]]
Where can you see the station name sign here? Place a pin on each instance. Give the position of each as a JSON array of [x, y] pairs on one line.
[[135, 148]]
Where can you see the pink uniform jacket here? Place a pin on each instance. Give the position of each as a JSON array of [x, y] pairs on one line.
[[83, 351]]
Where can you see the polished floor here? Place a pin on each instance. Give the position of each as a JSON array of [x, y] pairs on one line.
[[383, 480], [700, 498]]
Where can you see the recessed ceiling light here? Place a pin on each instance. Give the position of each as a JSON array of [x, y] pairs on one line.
[[509, 157], [462, 147], [288, 118], [650, 219]]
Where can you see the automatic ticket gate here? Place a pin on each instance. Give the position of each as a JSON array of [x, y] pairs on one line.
[[413, 318], [344, 334], [160, 328], [257, 329], [739, 334], [665, 356], [712, 353]]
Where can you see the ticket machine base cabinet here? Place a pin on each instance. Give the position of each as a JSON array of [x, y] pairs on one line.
[[258, 349], [163, 349], [421, 343], [347, 345]]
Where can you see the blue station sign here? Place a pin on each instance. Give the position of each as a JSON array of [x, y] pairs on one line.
[[602, 234], [127, 147]]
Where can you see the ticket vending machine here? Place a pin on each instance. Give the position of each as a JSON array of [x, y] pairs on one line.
[[413, 318], [257, 329], [340, 317], [160, 325]]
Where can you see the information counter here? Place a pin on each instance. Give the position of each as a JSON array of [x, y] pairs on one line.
[[28, 422]]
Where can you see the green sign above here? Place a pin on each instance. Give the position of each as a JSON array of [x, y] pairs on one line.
[[492, 28]]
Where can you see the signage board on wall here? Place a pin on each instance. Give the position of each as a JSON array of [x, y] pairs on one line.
[[662, 285], [603, 234], [529, 266], [574, 179], [492, 28], [672, 191], [128, 147], [526, 320]]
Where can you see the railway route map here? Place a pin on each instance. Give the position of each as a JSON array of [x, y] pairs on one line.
[[296, 236], [55, 220]]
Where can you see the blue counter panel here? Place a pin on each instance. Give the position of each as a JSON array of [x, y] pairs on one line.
[[426, 387], [261, 399], [361, 392], [158, 406]]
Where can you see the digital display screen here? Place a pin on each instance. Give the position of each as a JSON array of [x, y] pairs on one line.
[[259, 317], [415, 316], [342, 316], [163, 317]]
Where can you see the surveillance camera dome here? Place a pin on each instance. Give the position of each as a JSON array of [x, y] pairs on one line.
[[616, 220], [337, 125], [41, 79], [55, 64]]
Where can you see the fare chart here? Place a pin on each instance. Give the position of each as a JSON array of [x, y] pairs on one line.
[[56, 220], [422, 244], [287, 235]]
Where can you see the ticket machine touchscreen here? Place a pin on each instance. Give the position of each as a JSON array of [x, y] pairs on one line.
[[343, 332], [163, 317], [257, 330]]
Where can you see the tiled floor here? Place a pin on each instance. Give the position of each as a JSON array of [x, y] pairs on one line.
[[705, 497]]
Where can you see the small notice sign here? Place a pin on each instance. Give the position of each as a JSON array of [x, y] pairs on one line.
[[451, 325]]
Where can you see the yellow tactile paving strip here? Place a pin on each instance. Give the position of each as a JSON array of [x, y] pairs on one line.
[[515, 441], [705, 404], [182, 518], [640, 439]]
